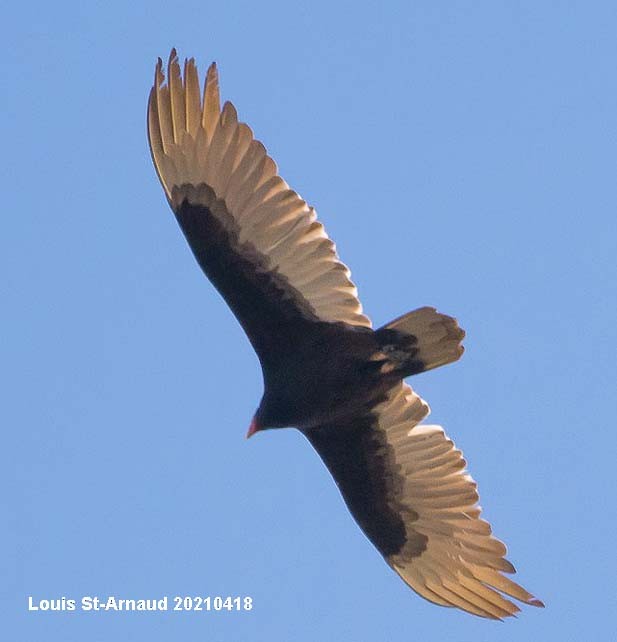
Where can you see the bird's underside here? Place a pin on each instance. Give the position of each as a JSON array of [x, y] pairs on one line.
[[326, 371]]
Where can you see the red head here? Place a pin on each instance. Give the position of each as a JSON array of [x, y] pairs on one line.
[[254, 427]]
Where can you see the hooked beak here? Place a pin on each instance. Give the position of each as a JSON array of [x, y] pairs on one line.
[[253, 428]]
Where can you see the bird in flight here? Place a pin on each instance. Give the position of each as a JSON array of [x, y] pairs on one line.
[[326, 371]]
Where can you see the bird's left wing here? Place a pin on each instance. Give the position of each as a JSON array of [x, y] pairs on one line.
[[406, 485], [257, 239]]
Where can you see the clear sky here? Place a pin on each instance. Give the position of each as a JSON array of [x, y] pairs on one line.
[[461, 154]]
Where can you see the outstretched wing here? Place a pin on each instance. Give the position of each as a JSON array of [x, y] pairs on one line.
[[406, 486], [254, 237]]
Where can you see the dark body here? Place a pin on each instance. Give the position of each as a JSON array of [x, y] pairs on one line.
[[323, 378], [302, 388]]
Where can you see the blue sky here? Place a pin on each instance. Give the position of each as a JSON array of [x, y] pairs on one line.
[[461, 155]]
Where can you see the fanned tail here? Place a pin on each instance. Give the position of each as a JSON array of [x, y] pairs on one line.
[[422, 340]]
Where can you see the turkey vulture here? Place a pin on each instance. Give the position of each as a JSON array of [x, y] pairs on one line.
[[325, 370]]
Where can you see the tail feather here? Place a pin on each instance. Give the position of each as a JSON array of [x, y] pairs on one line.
[[423, 339]]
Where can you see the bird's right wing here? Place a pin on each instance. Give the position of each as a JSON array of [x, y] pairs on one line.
[[405, 484]]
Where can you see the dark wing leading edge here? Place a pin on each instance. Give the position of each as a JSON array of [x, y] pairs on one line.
[[406, 486], [255, 238]]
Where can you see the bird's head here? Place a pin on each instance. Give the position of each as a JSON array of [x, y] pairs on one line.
[[266, 416], [255, 425]]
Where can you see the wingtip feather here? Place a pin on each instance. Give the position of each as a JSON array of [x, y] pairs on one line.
[[211, 101]]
